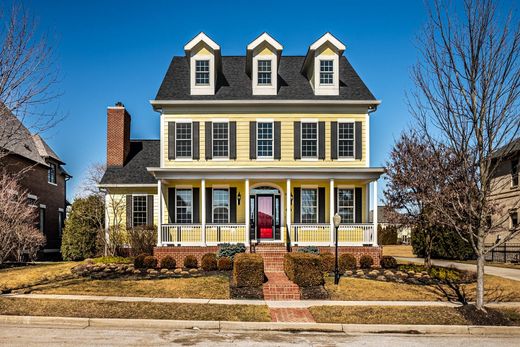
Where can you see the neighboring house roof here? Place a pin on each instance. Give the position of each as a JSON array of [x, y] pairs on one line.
[[44, 149], [382, 214], [233, 83], [509, 149], [143, 154]]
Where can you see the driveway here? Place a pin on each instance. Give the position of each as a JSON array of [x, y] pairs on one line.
[[512, 274]]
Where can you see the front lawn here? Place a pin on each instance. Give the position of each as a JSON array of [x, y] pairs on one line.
[[404, 251], [133, 310], [27, 276]]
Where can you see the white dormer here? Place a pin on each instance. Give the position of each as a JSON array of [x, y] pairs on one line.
[[321, 65], [205, 59], [262, 60]]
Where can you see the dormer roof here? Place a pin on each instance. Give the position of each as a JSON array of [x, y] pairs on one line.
[[265, 37], [327, 38], [201, 37]]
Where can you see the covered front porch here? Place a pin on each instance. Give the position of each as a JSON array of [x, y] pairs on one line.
[[288, 206]]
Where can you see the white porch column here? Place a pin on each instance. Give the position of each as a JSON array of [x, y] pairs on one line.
[[288, 206], [246, 202], [203, 210], [331, 210], [374, 195], [159, 222], [367, 194]]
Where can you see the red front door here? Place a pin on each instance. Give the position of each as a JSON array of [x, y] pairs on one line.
[[265, 217]]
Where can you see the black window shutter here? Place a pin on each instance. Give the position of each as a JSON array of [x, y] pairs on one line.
[[252, 140], [277, 140], [129, 212], [232, 140], [297, 135], [321, 205], [358, 200], [149, 210], [232, 205], [297, 195], [321, 137], [336, 200], [196, 140], [209, 140], [171, 140], [209, 205], [334, 140], [358, 140], [171, 205], [196, 207]]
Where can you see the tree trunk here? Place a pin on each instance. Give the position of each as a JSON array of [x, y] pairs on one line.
[[480, 278], [428, 251]]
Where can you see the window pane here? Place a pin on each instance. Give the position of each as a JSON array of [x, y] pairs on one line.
[[139, 210], [309, 213], [264, 72], [346, 205], [51, 173], [346, 140], [265, 140], [220, 140], [183, 140], [184, 202], [309, 140], [326, 71], [220, 206], [202, 72]]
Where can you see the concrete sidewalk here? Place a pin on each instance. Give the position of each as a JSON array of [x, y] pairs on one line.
[[273, 304], [512, 274]]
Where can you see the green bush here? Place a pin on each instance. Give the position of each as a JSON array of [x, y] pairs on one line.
[[139, 261], [388, 262], [168, 262], [448, 245], [224, 264], [248, 270], [229, 250], [304, 269], [209, 262], [366, 262], [142, 239], [346, 262], [112, 260], [82, 227], [327, 262], [309, 249], [191, 262], [387, 235], [150, 262]]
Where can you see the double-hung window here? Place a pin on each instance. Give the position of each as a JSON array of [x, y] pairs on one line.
[[326, 72], [264, 72], [220, 205], [346, 140], [346, 205], [514, 173], [513, 215], [264, 140], [51, 173], [309, 140], [184, 206], [183, 140], [202, 72], [220, 140], [139, 210], [309, 205]]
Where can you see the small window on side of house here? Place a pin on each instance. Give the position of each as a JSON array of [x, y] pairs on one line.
[[51, 173], [513, 215], [514, 173]]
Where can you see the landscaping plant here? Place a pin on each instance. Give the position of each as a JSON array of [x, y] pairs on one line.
[[142, 239], [224, 264], [150, 262], [209, 262], [304, 269], [191, 262], [168, 262], [309, 249], [248, 270], [328, 262], [346, 262], [366, 262], [388, 262], [229, 250], [139, 261]]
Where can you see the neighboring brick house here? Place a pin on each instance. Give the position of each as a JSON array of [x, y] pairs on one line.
[[41, 172]]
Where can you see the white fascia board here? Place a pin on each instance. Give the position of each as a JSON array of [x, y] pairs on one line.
[[262, 102], [267, 38], [127, 185], [328, 37], [201, 37]]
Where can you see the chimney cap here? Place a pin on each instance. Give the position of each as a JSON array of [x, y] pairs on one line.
[[120, 104]]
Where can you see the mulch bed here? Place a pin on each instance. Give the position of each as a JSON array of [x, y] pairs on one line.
[[489, 317]]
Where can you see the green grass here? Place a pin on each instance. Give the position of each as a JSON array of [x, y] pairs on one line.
[[112, 260]]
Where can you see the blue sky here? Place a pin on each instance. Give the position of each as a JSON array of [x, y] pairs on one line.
[[112, 51]]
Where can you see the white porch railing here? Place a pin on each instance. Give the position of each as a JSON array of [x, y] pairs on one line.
[[320, 234], [191, 234], [225, 233], [355, 234], [184, 234]]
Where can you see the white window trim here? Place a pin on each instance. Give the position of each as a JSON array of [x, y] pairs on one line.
[[319, 73], [326, 89], [197, 89], [177, 188], [258, 72], [265, 158], [317, 141], [315, 188], [511, 212], [354, 200], [184, 121], [265, 89], [353, 157], [517, 174], [146, 207], [213, 140], [213, 203], [209, 72], [55, 174]]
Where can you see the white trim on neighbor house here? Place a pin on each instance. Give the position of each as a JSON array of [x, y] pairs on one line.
[[32, 196]]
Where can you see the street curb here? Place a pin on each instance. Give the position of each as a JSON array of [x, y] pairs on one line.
[[351, 329]]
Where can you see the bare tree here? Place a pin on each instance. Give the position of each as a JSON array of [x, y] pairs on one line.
[[467, 97], [28, 76]]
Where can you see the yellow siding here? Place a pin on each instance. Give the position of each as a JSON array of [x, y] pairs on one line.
[[326, 49], [263, 49], [116, 204], [202, 49]]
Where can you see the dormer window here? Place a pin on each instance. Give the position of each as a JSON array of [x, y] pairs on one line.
[[202, 72], [326, 72], [264, 72]]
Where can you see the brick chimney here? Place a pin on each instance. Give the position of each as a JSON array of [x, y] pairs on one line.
[[118, 135]]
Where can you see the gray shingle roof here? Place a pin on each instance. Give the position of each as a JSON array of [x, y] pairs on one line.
[[143, 154], [234, 84], [511, 148]]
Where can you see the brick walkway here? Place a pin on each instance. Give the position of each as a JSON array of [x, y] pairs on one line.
[[291, 315]]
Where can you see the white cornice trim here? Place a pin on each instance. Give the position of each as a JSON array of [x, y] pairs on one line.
[[267, 38], [264, 102], [201, 37], [128, 185]]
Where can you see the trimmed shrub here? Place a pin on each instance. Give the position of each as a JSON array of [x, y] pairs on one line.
[[150, 262], [229, 250], [366, 262], [309, 249], [248, 270], [347, 262], [304, 269], [139, 261], [387, 235], [190, 262], [224, 264], [168, 262], [388, 262], [327, 261], [142, 239], [449, 245], [209, 262]]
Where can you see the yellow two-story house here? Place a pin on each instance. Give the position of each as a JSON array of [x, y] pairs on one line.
[[256, 149]]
